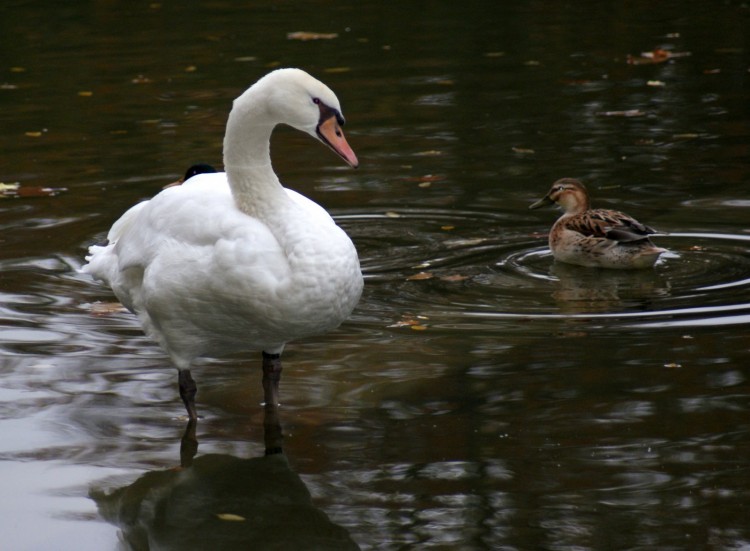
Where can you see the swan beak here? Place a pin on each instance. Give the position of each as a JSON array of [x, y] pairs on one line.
[[330, 133], [542, 202]]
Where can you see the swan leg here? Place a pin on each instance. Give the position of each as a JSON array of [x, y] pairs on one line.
[[188, 388], [271, 378]]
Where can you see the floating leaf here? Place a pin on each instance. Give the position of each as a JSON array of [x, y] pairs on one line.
[[17, 70], [428, 153], [447, 228], [33, 134], [306, 35], [7, 188], [672, 365], [106, 308], [420, 276], [454, 278], [523, 151], [627, 113], [85, 93], [39, 191], [409, 320], [656, 83], [191, 69], [246, 58], [418, 327], [230, 517], [425, 178], [657, 55]]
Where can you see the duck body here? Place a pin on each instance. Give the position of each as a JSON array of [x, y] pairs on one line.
[[599, 238], [232, 261]]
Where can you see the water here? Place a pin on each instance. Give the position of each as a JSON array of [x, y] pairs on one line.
[[482, 396]]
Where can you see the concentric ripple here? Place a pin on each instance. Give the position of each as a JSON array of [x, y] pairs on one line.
[[458, 268]]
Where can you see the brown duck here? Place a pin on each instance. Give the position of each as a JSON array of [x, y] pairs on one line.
[[599, 238]]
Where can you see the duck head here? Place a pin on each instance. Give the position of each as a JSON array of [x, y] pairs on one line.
[[568, 193]]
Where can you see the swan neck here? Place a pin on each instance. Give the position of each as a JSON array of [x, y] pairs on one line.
[[247, 160]]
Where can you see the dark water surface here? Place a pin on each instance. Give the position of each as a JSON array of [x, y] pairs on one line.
[[498, 400]]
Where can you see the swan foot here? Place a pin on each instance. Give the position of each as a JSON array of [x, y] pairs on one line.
[[188, 389], [271, 378]]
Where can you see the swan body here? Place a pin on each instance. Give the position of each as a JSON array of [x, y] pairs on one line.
[[600, 238], [232, 261]]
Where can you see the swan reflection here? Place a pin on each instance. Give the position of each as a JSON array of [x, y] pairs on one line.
[[222, 502]]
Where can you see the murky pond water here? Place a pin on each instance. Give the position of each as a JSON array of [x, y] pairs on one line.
[[482, 396]]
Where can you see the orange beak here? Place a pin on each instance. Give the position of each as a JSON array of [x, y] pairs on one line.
[[330, 133]]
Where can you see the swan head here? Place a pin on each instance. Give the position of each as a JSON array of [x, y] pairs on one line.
[[295, 98]]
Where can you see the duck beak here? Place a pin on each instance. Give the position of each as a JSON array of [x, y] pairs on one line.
[[330, 133], [544, 201]]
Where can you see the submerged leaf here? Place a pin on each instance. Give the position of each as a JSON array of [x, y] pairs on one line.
[[306, 35]]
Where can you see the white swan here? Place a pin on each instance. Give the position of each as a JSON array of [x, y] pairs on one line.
[[233, 261]]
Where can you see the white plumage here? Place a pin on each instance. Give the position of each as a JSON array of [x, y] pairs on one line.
[[233, 261]]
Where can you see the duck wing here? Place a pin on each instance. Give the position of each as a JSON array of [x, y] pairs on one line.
[[609, 224]]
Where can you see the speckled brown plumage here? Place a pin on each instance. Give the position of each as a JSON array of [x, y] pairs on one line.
[[596, 237]]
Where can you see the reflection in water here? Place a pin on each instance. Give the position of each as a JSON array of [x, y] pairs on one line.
[[581, 290], [222, 502]]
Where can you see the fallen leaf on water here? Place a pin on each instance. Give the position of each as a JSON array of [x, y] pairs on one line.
[[454, 278], [418, 327], [409, 320], [420, 276], [657, 55], [246, 58], [11, 187], [17, 70], [428, 153], [447, 228], [627, 113], [672, 365], [655, 83], [306, 35], [33, 134], [425, 178], [523, 151], [230, 517], [191, 69], [105, 308], [424, 184], [39, 191], [85, 93]]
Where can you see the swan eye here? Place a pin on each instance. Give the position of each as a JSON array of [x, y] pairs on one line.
[[316, 101]]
